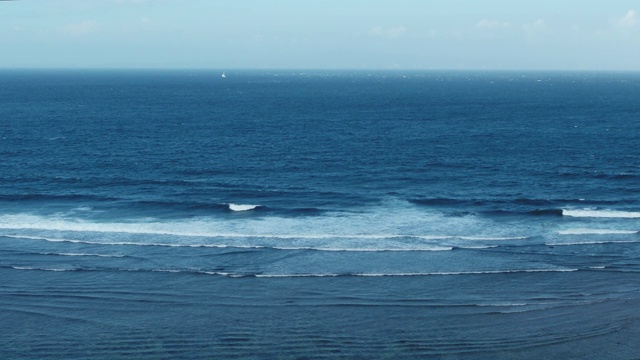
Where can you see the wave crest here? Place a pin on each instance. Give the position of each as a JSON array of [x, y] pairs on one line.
[[242, 207], [596, 213], [596, 232]]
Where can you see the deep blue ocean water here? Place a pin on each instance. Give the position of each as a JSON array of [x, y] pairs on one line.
[[320, 214]]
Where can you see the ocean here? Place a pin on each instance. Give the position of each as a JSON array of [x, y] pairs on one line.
[[148, 214]]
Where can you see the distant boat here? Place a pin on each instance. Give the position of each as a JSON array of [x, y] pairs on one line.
[[223, 75]]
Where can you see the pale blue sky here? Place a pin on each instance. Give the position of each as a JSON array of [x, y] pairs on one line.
[[321, 34]]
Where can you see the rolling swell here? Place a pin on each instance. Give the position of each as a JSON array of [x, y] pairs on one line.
[[492, 208], [533, 207], [515, 202], [536, 212], [123, 208], [504, 207], [55, 198], [223, 273], [296, 214]]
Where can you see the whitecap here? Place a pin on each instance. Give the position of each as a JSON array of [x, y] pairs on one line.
[[590, 242], [594, 213], [242, 207], [586, 231]]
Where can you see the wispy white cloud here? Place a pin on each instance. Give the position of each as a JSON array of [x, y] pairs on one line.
[[537, 26], [536, 29], [388, 32], [81, 28], [432, 34], [629, 20], [492, 25]]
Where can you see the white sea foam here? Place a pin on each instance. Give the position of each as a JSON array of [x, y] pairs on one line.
[[125, 229], [505, 304], [130, 243], [309, 229], [447, 273], [313, 275], [241, 207], [589, 242], [39, 269], [585, 231], [83, 254], [594, 213], [393, 228], [205, 245], [478, 246], [430, 248], [480, 238], [393, 220]]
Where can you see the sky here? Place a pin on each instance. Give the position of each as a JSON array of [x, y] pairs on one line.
[[322, 34]]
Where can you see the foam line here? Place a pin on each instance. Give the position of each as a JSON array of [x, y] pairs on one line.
[[584, 231], [587, 242], [139, 231], [291, 248], [592, 213], [310, 275], [82, 254], [418, 274]]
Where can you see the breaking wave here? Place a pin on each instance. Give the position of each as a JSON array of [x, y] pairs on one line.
[[304, 275], [241, 207], [594, 213], [585, 231]]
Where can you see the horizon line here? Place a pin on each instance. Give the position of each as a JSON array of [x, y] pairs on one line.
[[240, 69]]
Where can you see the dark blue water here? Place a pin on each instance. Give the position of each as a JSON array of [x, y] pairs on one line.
[[178, 214]]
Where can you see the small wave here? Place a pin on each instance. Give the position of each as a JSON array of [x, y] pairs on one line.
[[477, 247], [596, 232], [593, 213], [480, 238], [505, 304], [275, 235], [83, 254], [221, 246], [431, 248], [443, 273], [131, 243], [546, 212], [40, 269], [439, 201], [590, 242], [56, 198], [241, 207], [302, 275], [536, 212], [409, 248], [620, 176]]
